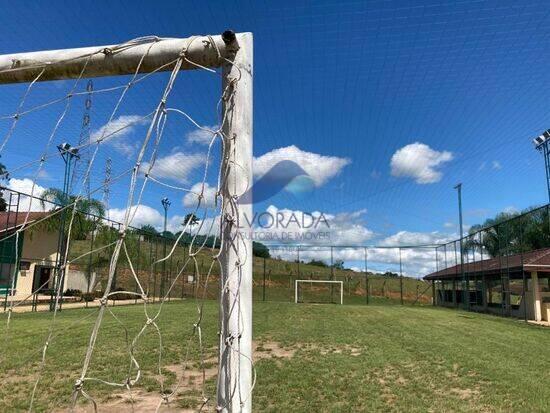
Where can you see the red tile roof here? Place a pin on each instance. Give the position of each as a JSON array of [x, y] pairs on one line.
[[538, 260], [10, 220]]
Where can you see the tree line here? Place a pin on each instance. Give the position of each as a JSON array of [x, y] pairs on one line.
[[511, 233]]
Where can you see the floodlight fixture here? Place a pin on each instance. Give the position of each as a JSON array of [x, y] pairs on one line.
[[165, 202], [67, 149], [541, 143], [540, 140]]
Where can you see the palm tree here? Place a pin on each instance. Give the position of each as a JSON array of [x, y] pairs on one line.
[[511, 233], [87, 206], [4, 178], [87, 210], [496, 236], [191, 219]]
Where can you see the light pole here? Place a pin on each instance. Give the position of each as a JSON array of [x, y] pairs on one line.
[[68, 154], [465, 286], [541, 144], [165, 204]]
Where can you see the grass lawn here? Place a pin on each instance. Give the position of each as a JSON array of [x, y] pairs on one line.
[[309, 358]]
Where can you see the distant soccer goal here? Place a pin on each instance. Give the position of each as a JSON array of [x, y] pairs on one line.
[[319, 291]]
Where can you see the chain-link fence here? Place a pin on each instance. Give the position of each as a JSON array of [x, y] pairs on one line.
[[367, 274], [362, 275], [501, 268]]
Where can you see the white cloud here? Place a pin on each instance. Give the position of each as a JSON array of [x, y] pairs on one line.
[[201, 136], [44, 175], [25, 186], [416, 238], [176, 166], [206, 226], [144, 215], [286, 226], [191, 199], [117, 130], [510, 210], [496, 165], [344, 229], [416, 262], [449, 225], [320, 168], [420, 162]]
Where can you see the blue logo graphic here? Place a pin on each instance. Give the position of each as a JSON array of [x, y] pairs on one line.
[[284, 175]]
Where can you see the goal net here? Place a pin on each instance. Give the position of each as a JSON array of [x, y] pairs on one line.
[[319, 291], [163, 134]]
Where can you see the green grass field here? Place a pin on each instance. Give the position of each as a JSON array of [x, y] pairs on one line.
[[309, 358]]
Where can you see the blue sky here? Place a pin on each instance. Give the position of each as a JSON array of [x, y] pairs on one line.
[[451, 91]]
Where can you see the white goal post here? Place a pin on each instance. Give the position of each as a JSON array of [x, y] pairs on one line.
[[340, 283], [233, 53]]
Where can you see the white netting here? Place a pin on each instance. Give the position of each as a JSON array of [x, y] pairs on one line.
[[150, 166]]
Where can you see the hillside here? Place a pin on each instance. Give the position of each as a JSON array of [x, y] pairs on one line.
[[279, 274]]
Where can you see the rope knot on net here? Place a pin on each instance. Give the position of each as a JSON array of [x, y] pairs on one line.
[[78, 384]]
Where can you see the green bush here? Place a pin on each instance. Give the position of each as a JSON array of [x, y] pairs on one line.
[[120, 295], [73, 293], [88, 297]]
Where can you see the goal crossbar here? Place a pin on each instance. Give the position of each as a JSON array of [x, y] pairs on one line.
[[122, 59], [340, 283]]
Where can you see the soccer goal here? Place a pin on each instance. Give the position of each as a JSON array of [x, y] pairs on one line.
[[140, 75], [319, 291]]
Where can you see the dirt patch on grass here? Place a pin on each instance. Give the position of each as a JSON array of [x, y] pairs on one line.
[[396, 380], [271, 349], [389, 378], [188, 386], [135, 401], [332, 349], [465, 394]]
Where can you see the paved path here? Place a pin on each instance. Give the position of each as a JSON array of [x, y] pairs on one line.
[[27, 308]]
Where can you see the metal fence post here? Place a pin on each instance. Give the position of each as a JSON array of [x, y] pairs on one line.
[[331, 273], [89, 271], [182, 278], [523, 276], [298, 262], [263, 288], [170, 279], [367, 275], [150, 268], [400, 277], [155, 268], [137, 264]]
